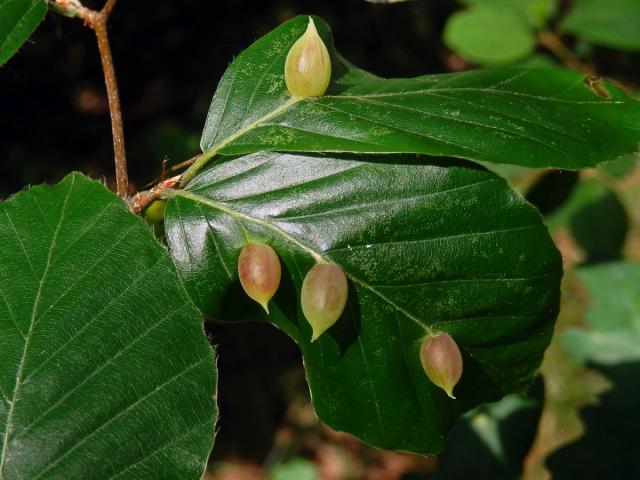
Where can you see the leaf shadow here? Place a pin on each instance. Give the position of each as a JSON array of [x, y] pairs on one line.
[[347, 329]]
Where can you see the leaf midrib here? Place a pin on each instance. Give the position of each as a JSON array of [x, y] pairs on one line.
[[317, 256], [213, 151]]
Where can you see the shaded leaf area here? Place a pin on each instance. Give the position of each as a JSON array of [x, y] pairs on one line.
[[609, 447], [552, 190], [426, 245], [611, 23], [492, 441], [527, 117], [613, 317], [18, 20], [596, 218], [105, 371]]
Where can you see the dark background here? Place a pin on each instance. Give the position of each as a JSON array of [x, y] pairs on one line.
[[169, 56]]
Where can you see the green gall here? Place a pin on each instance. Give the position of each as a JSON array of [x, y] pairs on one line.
[[442, 361], [259, 271], [323, 297], [154, 213], [307, 69]]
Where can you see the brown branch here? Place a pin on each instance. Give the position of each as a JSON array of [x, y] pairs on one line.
[[142, 200], [97, 20], [555, 45], [185, 164], [100, 27], [108, 6]]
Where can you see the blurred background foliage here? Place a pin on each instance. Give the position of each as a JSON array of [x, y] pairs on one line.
[[579, 420]]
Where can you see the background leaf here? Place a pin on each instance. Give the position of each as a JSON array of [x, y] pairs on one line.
[[105, 371], [491, 441], [18, 20], [296, 469], [536, 12], [596, 218], [609, 446], [511, 37], [425, 243], [613, 333], [526, 117], [612, 23]]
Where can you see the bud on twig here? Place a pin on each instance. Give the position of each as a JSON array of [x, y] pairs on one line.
[[323, 296], [154, 213], [442, 361], [259, 271], [307, 69]]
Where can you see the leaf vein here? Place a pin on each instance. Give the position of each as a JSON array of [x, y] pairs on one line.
[[16, 389], [96, 316], [131, 406], [94, 372]]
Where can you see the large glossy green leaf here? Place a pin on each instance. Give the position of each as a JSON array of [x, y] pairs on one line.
[[427, 244], [105, 371], [18, 20], [528, 117], [613, 23]]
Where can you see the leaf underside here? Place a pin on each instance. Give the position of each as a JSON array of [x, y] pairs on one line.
[[426, 244], [105, 371]]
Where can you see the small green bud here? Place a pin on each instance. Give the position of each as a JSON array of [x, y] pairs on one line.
[[442, 361], [154, 213], [307, 69], [259, 272], [323, 296]]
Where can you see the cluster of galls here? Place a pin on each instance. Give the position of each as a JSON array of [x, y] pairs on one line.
[[307, 73], [324, 288], [323, 298]]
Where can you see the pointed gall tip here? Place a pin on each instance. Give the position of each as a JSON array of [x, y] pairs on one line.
[[315, 335], [265, 305]]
